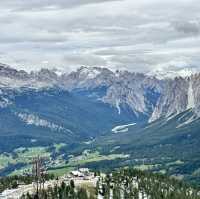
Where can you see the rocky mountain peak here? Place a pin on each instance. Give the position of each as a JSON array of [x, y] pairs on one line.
[[45, 75]]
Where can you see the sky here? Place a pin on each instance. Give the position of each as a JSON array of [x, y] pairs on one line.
[[140, 36]]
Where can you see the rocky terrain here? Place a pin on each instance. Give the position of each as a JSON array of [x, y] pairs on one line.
[[142, 94]]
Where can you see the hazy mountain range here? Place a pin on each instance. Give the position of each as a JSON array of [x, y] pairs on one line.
[[143, 94]]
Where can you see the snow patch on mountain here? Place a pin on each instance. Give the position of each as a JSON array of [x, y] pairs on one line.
[[122, 128]]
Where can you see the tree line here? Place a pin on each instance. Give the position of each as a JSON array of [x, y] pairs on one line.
[[134, 184]]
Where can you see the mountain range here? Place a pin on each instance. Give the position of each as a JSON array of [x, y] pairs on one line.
[[142, 94], [156, 118]]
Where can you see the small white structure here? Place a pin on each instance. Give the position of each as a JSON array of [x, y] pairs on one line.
[[77, 174]]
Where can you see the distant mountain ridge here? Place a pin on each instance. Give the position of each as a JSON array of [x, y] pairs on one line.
[[143, 94]]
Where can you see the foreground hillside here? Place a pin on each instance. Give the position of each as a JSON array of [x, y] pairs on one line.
[[119, 184]]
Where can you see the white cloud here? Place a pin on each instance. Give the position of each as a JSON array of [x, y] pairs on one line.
[[126, 34]]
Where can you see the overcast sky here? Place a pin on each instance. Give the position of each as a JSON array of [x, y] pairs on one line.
[[140, 36]]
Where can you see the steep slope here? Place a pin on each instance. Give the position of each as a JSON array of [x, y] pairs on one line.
[[173, 99]]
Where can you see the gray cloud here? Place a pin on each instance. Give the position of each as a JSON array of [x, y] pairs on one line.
[[187, 27], [139, 36], [78, 60], [47, 4]]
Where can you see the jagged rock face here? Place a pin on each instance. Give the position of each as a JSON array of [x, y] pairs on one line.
[[195, 92], [87, 78], [45, 75], [11, 78], [178, 95], [131, 89], [12, 73], [173, 99], [143, 94]]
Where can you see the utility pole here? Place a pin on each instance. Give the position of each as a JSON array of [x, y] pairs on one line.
[[38, 174]]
